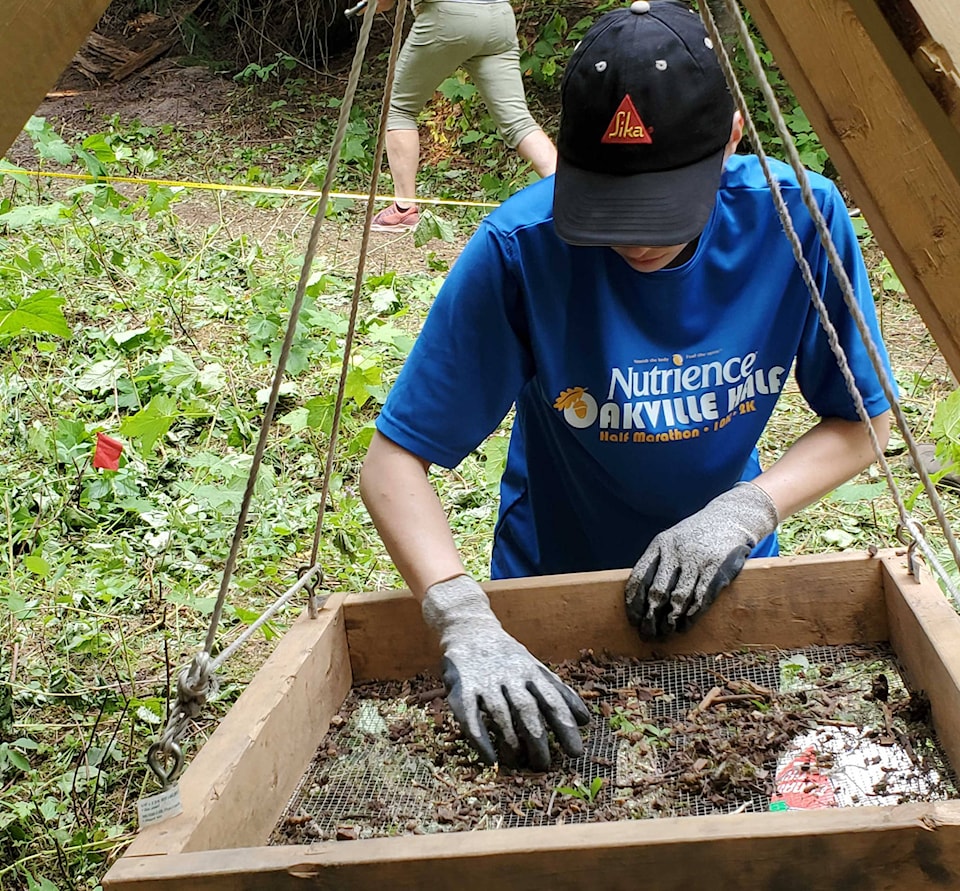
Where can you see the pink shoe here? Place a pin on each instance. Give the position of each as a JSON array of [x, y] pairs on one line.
[[392, 219]]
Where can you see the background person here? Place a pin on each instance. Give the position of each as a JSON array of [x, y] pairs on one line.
[[481, 37], [642, 311]]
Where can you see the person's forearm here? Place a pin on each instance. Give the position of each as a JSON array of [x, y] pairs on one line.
[[823, 458], [408, 515]]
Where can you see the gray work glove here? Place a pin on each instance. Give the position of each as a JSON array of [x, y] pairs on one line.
[[486, 670], [686, 566]]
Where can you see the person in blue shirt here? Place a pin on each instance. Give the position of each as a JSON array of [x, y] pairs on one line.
[[642, 310]]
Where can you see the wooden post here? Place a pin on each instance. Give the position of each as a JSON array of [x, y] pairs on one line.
[[893, 139], [40, 39]]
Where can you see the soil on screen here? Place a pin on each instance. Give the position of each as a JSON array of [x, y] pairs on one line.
[[719, 734]]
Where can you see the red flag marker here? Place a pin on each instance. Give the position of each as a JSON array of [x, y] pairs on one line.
[[106, 453]]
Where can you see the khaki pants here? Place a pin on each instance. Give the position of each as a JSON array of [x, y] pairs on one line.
[[479, 37]]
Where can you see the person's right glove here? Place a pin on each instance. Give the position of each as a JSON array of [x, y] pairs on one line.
[[486, 670], [687, 565]]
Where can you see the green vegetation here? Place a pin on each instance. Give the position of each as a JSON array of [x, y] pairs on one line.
[[582, 791], [154, 315]]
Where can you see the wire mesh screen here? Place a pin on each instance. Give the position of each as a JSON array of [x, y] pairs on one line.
[[736, 732]]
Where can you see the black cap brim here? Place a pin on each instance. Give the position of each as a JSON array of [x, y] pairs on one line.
[[668, 207]]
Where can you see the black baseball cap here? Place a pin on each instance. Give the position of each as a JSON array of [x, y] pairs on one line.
[[646, 116]]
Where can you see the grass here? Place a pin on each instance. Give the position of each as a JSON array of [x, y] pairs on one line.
[[154, 315]]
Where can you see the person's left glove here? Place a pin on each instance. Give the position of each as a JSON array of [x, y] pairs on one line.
[[686, 566], [486, 670]]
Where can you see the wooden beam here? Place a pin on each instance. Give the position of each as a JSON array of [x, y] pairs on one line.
[[235, 789], [913, 846], [839, 600], [40, 37], [894, 144], [929, 32]]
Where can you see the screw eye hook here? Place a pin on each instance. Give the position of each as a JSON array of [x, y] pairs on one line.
[[311, 587], [908, 537], [158, 757]]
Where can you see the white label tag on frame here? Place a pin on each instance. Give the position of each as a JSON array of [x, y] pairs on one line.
[[155, 808]]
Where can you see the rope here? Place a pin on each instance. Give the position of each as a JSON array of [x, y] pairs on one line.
[[846, 287], [197, 684], [358, 278]]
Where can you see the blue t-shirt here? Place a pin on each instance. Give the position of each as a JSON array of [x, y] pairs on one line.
[[639, 396]]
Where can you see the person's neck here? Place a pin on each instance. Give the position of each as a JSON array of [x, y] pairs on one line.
[[689, 250]]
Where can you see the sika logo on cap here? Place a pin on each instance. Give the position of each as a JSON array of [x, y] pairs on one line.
[[625, 126]]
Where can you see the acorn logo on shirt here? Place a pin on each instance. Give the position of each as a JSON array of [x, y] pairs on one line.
[[578, 406]]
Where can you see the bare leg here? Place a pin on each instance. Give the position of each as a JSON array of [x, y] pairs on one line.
[[403, 155], [537, 148]]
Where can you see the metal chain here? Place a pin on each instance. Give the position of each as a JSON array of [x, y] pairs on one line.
[[907, 522], [197, 683]]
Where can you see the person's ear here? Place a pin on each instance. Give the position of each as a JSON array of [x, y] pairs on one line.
[[736, 134]]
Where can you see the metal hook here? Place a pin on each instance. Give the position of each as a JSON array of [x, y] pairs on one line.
[[311, 588], [157, 757], [906, 536]]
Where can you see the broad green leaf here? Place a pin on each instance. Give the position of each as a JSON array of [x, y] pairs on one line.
[[287, 388], [48, 142], [494, 451], [98, 146], [28, 215], [431, 226], [946, 419], [213, 378], [102, 375], [41, 312], [389, 334], [130, 337], [37, 565], [17, 760], [296, 420], [177, 368], [360, 443], [151, 422], [70, 434], [356, 385], [861, 228], [148, 716], [320, 413], [838, 537], [249, 616], [14, 172], [851, 493]]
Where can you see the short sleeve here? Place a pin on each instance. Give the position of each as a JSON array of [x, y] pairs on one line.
[[469, 362], [818, 371]]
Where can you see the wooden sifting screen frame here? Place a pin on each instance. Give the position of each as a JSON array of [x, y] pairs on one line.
[[240, 781]]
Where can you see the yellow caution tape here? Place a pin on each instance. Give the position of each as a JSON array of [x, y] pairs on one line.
[[233, 187]]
